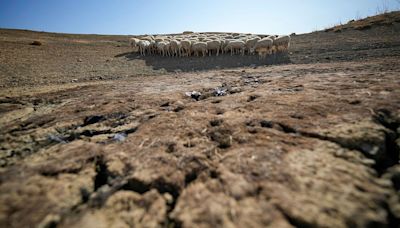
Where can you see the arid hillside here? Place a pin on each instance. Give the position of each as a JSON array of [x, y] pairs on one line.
[[93, 135]]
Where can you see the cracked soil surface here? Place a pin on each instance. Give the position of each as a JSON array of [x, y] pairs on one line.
[[92, 136]]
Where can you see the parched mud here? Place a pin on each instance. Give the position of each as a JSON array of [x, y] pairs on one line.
[[314, 144]]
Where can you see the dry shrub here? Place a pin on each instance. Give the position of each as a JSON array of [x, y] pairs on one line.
[[36, 43]]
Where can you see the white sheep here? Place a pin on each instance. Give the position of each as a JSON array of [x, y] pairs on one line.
[[251, 43], [203, 43], [224, 43], [186, 47], [264, 47], [148, 38], [159, 38], [236, 46], [161, 48], [282, 43], [153, 47], [143, 46], [167, 48], [213, 45], [199, 47], [133, 42], [176, 48]]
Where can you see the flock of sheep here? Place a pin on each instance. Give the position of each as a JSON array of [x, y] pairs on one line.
[[196, 44]]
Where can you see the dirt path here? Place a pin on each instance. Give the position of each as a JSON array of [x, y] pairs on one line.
[[291, 145]]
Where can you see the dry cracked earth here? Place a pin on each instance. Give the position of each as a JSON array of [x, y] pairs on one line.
[[94, 136]]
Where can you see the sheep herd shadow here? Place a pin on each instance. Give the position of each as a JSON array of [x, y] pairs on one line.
[[186, 64]]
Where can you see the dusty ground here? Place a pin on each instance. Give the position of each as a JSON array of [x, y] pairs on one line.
[[94, 136]]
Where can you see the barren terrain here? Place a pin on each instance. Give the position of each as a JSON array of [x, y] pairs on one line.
[[92, 135]]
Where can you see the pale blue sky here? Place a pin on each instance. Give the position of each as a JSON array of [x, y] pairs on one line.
[[173, 16]]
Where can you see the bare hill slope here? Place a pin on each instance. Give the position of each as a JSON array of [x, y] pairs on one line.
[[92, 135]]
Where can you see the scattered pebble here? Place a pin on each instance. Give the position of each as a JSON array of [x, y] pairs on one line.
[[216, 122], [168, 198], [194, 94], [235, 90], [179, 106], [297, 116], [219, 92], [252, 97], [56, 138], [165, 104], [120, 137], [171, 147]]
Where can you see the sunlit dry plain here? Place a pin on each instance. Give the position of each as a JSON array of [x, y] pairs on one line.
[[96, 135]]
